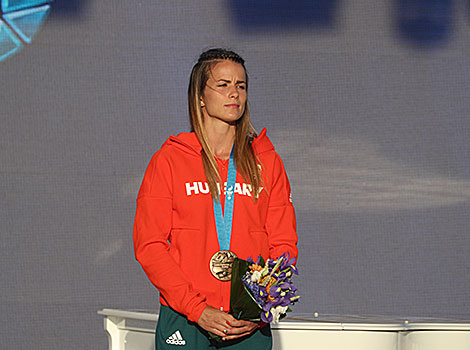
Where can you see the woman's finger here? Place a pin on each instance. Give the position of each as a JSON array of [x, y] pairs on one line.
[[242, 323], [237, 332], [235, 336]]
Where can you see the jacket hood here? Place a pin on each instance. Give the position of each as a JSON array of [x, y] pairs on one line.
[[262, 143], [188, 142]]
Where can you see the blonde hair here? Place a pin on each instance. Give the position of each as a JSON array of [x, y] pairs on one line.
[[245, 158]]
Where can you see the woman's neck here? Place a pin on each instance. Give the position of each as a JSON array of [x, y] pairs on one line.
[[221, 137]]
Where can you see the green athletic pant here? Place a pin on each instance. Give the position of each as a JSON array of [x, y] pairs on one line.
[[174, 331]]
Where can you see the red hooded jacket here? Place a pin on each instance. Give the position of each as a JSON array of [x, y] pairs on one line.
[[175, 233]]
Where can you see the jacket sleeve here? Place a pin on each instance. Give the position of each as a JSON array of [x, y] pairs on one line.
[[280, 220], [152, 229]]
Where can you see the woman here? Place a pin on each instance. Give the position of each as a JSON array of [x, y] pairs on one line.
[[190, 223]]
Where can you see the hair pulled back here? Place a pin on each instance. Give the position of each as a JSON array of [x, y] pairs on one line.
[[245, 158]]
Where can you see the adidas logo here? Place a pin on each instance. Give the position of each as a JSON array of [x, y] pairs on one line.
[[176, 339]]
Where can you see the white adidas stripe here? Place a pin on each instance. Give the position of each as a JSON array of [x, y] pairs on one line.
[[176, 339]]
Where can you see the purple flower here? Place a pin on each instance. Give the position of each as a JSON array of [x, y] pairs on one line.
[[274, 301], [275, 291], [266, 317], [268, 306], [285, 301]]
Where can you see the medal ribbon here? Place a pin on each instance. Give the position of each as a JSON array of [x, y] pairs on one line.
[[224, 222]]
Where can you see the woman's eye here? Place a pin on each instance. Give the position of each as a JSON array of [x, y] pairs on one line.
[[222, 85], [242, 87]]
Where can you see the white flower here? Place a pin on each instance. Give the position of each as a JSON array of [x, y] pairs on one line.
[[256, 276], [277, 312]]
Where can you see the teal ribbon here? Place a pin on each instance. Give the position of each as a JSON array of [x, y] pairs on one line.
[[224, 222]]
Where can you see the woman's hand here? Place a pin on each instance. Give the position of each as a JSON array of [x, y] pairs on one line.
[[224, 325], [240, 328]]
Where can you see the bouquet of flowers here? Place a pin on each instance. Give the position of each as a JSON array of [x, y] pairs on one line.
[[262, 291]]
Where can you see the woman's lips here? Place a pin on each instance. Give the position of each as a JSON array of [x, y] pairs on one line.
[[232, 106]]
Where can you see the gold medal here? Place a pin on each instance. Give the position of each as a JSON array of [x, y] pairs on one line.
[[221, 264]]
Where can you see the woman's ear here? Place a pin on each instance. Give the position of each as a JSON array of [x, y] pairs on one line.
[[202, 102]]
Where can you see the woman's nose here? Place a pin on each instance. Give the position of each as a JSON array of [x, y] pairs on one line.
[[233, 92]]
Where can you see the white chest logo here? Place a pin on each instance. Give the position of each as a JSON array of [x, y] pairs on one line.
[[198, 187]]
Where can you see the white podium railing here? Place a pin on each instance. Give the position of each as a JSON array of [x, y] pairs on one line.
[[129, 330]]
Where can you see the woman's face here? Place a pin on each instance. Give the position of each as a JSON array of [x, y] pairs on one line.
[[224, 97]]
